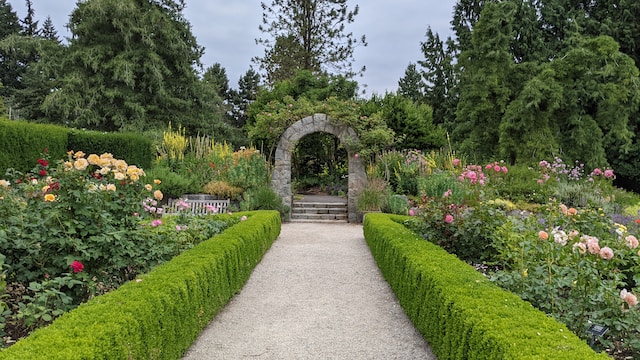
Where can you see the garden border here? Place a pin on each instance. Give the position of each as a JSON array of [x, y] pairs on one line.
[[161, 314], [460, 313]]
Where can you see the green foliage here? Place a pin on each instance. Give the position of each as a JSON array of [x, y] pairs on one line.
[[396, 204], [263, 198], [457, 310], [307, 35], [48, 301], [132, 147], [143, 318], [222, 190], [173, 184], [559, 261], [374, 196], [125, 72], [19, 139], [412, 122]]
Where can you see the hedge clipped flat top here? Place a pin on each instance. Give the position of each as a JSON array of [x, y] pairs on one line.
[[459, 311]]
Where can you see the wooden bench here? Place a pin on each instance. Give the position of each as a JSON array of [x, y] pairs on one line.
[[197, 207]]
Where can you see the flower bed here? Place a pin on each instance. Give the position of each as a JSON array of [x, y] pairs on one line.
[[458, 311], [158, 315]]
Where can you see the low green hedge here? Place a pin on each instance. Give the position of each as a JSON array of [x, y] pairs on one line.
[[160, 316], [460, 313]]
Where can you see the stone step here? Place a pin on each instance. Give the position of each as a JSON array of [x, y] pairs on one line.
[[328, 212]]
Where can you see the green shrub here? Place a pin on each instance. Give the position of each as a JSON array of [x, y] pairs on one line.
[[222, 190], [160, 314], [263, 198], [133, 148], [436, 184], [520, 184], [460, 313], [396, 204], [172, 185], [22, 142]]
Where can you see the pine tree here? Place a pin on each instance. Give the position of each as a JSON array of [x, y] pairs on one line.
[[30, 24], [10, 67], [307, 35], [48, 31], [411, 85]]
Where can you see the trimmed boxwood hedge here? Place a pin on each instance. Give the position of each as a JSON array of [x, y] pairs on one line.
[[160, 316], [460, 313]]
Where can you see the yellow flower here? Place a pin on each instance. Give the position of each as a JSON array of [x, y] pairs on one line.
[[119, 176], [158, 195], [135, 177], [68, 165], [157, 181], [49, 198], [93, 159], [107, 156], [79, 155], [111, 187], [45, 188], [148, 187], [4, 183], [92, 187], [104, 171], [81, 164], [121, 165], [104, 162]]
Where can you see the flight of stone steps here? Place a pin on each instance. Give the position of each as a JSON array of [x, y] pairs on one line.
[[319, 211]]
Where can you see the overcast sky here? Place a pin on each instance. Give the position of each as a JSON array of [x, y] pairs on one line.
[[228, 29]]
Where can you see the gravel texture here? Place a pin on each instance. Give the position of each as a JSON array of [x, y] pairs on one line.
[[317, 294]]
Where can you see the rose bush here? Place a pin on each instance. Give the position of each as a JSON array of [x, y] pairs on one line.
[[80, 227]]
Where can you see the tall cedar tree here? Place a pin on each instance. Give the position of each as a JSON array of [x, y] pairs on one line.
[[10, 67], [132, 65], [307, 35]]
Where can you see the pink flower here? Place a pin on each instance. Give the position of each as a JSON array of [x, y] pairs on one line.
[[448, 218], [606, 253], [356, 155], [156, 222], [456, 162], [243, 218], [632, 241], [504, 169], [628, 297], [447, 193], [543, 235], [76, 266], [411, 212], [597, 172], [580, 247], [497, 168], [609, 174], [211, 208]]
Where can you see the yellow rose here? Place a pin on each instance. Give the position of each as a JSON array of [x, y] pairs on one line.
[[107, 156], [158, 195], [135, 177], [121, 165], [119, 176], [92, 187], [157, 181], [93, 159], [111, 187], [148, 187], [4, 183], [49, 198], [81, 164], [79, 154], [103, 162], [45, 188]]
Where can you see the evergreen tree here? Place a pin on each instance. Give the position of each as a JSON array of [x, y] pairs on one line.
[[10, 67], [216, 75], [48, 31], [485, 81], [440, 75], [307, 35], [241, 99], [411, 85], [30, 24], [131, 65]]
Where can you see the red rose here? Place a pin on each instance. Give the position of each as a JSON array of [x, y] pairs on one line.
[[76, 266], [43, 172], [54, 186], [43, 162]]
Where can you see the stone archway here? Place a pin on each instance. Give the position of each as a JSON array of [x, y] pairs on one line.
[[281, 178]]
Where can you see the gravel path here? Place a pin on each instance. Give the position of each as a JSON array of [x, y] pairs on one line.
[[317, 294]]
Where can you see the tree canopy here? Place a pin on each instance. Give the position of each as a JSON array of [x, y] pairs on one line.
[[307, 35]]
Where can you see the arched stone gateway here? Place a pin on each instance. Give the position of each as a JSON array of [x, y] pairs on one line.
[[281, 178]]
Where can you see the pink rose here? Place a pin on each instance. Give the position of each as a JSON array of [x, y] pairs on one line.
[[412, 213], [456, 162], [448, 218], [606, 253], [543, 235], [632, 241]]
